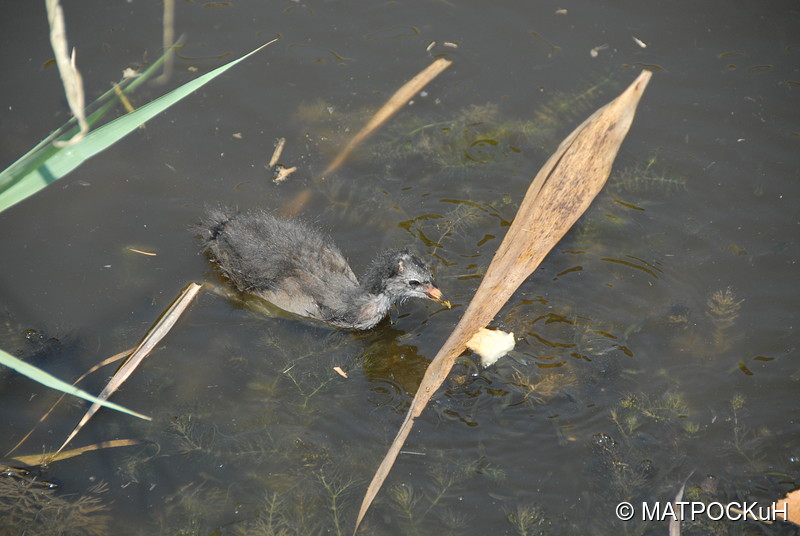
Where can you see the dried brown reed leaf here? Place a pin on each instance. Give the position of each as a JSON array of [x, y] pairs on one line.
[[557, 197], [67, 68], [44, 459], [153, 337], [397, 101]]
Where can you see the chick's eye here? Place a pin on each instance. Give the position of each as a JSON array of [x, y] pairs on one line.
[[414, 283]]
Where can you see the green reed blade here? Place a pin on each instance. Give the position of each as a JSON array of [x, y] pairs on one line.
[[48, 380]]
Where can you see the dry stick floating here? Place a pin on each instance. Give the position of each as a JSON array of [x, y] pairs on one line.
[[397, 101], [153, 337], [168, 38], [44, 459], [561, 192], [276, 154], [283, 174], [675, 522]]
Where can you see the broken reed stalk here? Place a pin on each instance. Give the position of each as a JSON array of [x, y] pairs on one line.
[[159, 330], [276, 154], [45, 459], [168, 38], [561, 192], [397, 101]]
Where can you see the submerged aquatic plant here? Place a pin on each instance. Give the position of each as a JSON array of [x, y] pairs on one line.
[[705, 525], [713, 336], [462, 217], [29, 506], [194, 510], [635, 411], [191, 434], [475, 135], [336, 487], [622, 468], [417, 507], [547, 384], [303, 504], [722, 308], [646, 177], [529, 520], [309, 385], [746, 441], [271, 521]]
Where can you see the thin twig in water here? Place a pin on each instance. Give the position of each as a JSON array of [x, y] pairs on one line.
[[276, 154], [392, 106], [148, 343], [168, 39]]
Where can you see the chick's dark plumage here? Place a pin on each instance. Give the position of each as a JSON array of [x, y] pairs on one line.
[[298, 269]]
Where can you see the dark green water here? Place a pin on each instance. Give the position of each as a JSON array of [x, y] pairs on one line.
[[657, 338]]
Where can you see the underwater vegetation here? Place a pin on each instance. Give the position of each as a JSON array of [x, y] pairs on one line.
[[635, 411], [624, 461], [437, 145], [723, 309], [712, 334], [745, 445], [646, 177], [480, 134], [530, 520], [475, 135], [647, 455], [31, 506]]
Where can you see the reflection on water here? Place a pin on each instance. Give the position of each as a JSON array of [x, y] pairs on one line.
[[654, 341]]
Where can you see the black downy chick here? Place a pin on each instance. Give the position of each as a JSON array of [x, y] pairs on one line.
[[298, 269]]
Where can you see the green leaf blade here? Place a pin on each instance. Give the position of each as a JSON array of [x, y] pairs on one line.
[[48, 380], [64, 159]]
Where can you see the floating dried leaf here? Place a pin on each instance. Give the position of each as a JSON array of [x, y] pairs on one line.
[[559, 194]]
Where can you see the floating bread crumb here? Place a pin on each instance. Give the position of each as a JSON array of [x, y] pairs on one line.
[[491, 345]]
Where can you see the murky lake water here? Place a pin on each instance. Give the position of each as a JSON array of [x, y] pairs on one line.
[[657, 339]]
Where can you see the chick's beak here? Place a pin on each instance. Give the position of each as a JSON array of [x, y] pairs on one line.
[[435, 294]]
